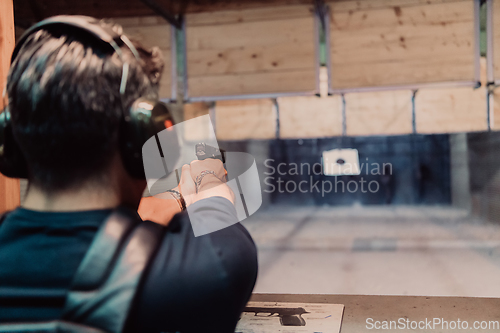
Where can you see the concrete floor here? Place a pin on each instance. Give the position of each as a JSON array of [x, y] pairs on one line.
[[432, 251]]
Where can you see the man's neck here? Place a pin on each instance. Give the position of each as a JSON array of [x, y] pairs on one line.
[[71, 200], [113, 188]]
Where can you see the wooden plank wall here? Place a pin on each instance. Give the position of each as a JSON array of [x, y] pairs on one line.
[[451, 110], [495, 112], [387, 42], [346, 5], [245, 119], [437, 110], [192, 130], [403, 42], [9, 188], [379, 113], [254, 51], [153, 31], [496, 39], [193, 110], [310, 117]]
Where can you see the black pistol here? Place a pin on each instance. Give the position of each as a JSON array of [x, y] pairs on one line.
[[204, 151], [287, 316]]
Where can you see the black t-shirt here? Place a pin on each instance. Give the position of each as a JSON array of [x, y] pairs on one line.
[[195, 284]]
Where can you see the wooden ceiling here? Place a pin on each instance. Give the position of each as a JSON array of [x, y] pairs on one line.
[[27, 12]]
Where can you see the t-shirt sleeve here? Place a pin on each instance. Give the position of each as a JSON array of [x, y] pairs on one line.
[[198, 284]]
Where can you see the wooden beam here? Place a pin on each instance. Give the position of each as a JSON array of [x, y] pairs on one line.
[[9, 188], [175, 20], [130, 8]]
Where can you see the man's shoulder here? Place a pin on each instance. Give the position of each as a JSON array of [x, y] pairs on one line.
[[222, 249], [210, 210], [227, 252], [3, 217]]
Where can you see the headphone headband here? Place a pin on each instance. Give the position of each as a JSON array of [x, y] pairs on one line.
[[86, 24], [91, 26]]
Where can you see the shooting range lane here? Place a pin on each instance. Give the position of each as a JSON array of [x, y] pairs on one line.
[[358, 308]]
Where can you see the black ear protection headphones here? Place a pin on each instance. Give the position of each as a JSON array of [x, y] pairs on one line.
[[142, 120]]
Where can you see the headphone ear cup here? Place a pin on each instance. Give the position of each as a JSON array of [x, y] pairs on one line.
[[12, 161], [145, 119]]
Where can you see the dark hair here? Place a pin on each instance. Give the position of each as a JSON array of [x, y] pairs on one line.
[[64, 98]]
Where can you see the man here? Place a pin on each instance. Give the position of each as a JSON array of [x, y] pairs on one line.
[[66, 107]]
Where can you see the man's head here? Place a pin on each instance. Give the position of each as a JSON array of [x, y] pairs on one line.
[[64, 97]]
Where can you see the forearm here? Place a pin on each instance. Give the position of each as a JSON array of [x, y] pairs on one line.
[[208, 185], [158, 210], [211, 186]]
